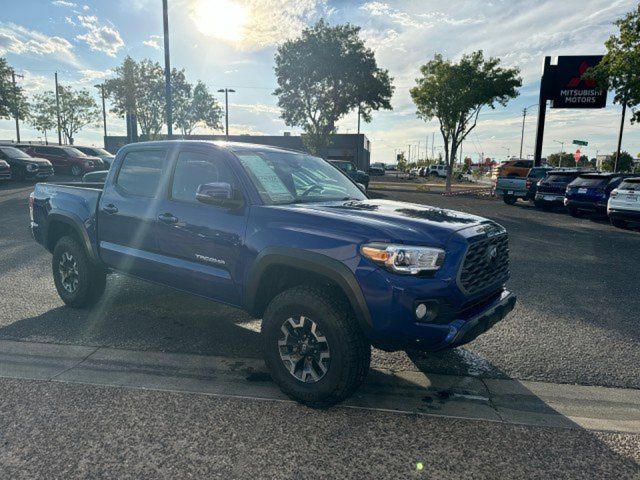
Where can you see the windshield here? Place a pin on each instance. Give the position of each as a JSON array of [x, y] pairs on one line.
[[630, 184], [283, 178], [13, 152], [95, 151], [590, 182], [74, 152]]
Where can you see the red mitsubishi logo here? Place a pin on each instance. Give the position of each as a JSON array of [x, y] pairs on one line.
[[575, 81]]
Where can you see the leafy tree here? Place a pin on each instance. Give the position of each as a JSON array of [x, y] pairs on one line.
[[567, 160], [625, 162], [402, 162], [42, 113], [197, 106], [455, 93], [77, 110], [12, 98], [619, 70], [323, 75]]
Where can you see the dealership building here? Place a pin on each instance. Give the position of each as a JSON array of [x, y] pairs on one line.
[[355, 148]]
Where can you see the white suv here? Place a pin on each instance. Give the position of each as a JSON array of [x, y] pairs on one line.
[[624, 203], [438, 170]]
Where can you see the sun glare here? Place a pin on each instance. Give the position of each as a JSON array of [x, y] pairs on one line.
[[223, 19]]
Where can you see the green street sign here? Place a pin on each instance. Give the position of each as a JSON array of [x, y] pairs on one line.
[[580, 142]]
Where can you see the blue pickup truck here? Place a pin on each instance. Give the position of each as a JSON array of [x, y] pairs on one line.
[[290, 239]]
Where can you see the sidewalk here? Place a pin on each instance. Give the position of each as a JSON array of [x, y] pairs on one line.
[[505, 401]]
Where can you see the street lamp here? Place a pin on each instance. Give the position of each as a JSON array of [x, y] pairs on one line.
[[524, 115], [561, 151], [226, 92]]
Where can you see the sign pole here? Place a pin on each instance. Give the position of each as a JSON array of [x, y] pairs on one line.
[[542, 113], [624, 110]]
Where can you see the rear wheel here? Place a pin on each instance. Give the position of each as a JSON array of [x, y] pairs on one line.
[[509, 199], [618, 223], [542, 205], [574, 212], [79, 282], [313, 346]]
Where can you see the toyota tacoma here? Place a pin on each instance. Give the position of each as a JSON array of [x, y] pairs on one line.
[[290, 239]]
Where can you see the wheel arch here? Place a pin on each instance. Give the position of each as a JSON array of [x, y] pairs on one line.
[[60, 224], [272, 261]]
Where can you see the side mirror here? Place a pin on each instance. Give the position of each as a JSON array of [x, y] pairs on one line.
[[362, 187], [220, 194]]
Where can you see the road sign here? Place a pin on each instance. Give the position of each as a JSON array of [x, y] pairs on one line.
[[576, 156], [580, 142]]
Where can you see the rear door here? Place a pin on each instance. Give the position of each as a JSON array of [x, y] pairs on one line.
[[56, 156], [201, 243], [127, 212]]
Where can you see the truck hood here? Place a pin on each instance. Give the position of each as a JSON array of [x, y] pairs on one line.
[[396, 221]]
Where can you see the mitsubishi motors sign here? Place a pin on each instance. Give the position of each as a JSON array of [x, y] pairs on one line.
[[567, 89]]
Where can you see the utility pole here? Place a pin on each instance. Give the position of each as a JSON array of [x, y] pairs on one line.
[[624, 111], [433, 139], [167, 70], [104, 113], [524, 115], [226, 92], [16, 107], [358, 141], [409, 153], [58, 110]]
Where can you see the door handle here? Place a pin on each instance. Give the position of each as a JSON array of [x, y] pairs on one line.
[[168, 218], [110, 209]]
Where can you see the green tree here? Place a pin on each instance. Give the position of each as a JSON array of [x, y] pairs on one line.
[[197, 106], [42, 113], [323, 75], [567, 160], [455, 93], [402, 162], [77, 110], [625, 162], [12, 98]]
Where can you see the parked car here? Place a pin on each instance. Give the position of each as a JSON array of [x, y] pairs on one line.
[[352, 172], [101, 153], [515, 168], [438, 171], [513, 188], [24, 166], [376, 169], [590, 192], [65, 159], [289, 239], [5, 171], [423, 171], [95, 177], [552, 187], [623, 207]]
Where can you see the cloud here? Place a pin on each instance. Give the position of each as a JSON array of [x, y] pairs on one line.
[[416, 20], [63, 3], [102, 38], [22, 41], [151, 43], [258, 108]]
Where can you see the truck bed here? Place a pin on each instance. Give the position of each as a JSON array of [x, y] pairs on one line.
[[514, 186]]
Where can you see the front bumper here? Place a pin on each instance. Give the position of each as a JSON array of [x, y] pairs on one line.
[[629, 215]]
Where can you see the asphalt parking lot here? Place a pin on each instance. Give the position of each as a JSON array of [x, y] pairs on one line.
[[576, 322]]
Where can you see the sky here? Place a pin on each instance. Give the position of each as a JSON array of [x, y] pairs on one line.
[[231, 43]]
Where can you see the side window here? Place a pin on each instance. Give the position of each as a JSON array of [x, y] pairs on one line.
[[192, 170], [141, 172]]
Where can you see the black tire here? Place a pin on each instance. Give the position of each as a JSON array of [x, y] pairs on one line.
[[76, 170], [618, 223], [574, 212], [509, 199], [91, 279], [350, 352], [542, 205], [19, 175]]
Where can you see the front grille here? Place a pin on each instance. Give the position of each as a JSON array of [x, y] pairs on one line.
[[481, 269]]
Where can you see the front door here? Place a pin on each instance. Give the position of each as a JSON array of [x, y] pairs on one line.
[[55, 155], [201, 243], [127, 213]]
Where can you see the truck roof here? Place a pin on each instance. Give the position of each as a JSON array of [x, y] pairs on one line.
[[230, 146]]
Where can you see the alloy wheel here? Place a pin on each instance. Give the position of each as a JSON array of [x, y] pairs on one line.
[[303, 349], [68, 269]]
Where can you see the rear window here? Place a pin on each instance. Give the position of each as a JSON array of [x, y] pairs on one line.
[[537, 173], [141, 172], [555, 178], [590, 181], [630, 184]]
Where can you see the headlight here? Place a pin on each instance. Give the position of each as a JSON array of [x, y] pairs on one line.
[[31, 167], [88, 163], [406, 259]]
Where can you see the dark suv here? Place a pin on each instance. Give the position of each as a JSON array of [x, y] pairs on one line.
[[551, 189], [352, 172], [591, 191], [24, 166], [66, 159]]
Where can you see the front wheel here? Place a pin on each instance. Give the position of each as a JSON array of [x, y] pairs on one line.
[[79, 282], [616, 222], [313, 346]]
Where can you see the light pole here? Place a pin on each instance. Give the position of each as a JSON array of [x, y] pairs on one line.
[[16, 107], [167, 70], [58, 109], [104, 113], [226, 92], [524, 115], [561, 151], [508, 151]]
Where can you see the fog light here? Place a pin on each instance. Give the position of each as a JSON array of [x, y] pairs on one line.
[[421, 311], [426, 312]]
